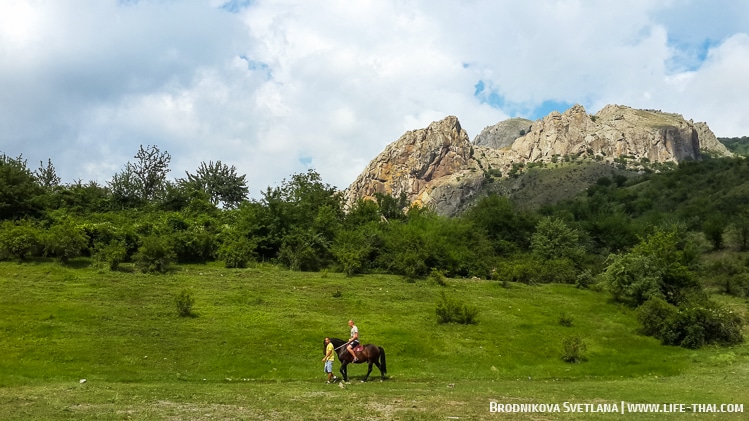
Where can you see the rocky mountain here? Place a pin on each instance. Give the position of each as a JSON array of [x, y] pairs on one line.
[[504, 133], [438, 166]]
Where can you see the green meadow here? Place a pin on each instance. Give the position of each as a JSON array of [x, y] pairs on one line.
[[253, 348]]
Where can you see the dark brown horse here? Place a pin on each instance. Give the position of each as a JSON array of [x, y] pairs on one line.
[[370, 354]]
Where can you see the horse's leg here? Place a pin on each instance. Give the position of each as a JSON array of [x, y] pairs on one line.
[[344, 371], [379, 367], [368, 371]]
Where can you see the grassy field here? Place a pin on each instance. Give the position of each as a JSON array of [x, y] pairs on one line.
[[254, 347]]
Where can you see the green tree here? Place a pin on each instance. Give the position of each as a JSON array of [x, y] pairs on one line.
[[80, 198], [739, 230], [553, 239], [634, 278], [406, 250], [362, 212], [714, 227], [426, 241], [142, 181], [300, 250], [150, 170], [352, 249], [508, 229], [47, 176], [125, 189], [221, 183], [304, 206], [20, 194], [392, 207], [659, 266]]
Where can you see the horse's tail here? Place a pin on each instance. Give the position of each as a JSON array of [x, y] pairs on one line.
[[382, 360]]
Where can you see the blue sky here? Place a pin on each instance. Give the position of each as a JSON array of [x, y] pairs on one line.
[[491, 97], [277, 87]]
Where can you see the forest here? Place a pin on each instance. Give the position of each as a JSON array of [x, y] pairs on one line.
[[663, 243]]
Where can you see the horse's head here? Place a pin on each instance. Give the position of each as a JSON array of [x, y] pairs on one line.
[[337, 345]]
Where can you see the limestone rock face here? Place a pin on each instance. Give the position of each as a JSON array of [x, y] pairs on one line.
[[617, 131], [431, 166], [708, 142], [439, 167], [503, 134]]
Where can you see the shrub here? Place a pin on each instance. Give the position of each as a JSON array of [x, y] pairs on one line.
[[302, 250], [517, 270], [452, 311], [237, 252], [584, 279], [554, 239], [560, 271], [565, 320], [692, 325], [64, 241], [18, 240], [710, 323], [633, 278], [113, 253], [437, 277], [655, 315], [573, 349], [154, 255], [351, 249], [184, 302], [194, 246], [737, 285]]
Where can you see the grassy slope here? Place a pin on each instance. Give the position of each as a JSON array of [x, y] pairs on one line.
[[536, 187], [259, 334]]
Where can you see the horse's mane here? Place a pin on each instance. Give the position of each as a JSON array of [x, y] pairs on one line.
[[336, 342]]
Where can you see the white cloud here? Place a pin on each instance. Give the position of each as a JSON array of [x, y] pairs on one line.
[[716, 93], [280, 86]]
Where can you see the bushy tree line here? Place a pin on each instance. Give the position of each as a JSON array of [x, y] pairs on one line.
[[738, 145], [640, 238]]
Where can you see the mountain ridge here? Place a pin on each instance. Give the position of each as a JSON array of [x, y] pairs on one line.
[[438, 166]]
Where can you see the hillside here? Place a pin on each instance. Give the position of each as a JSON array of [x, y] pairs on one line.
[[737, 145], [253, 350], [539, 186]]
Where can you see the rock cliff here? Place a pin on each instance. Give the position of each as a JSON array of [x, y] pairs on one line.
[[504, 133], [439, 167], [432, 166]]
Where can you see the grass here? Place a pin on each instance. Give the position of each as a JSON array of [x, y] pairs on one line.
[[253, 348]]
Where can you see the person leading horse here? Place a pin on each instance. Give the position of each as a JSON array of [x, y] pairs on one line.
[[369, 353]]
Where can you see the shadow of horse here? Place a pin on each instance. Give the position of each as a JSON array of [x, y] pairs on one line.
[[370, 354]]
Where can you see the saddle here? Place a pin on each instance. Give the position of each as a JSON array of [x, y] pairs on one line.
[[358, 348]]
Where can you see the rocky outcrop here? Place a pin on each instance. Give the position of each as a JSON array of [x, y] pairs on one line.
[[439, 167], [503, 134], [616, 132], [431, 166]]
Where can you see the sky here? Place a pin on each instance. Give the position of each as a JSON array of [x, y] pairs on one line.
[[279, 87]]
